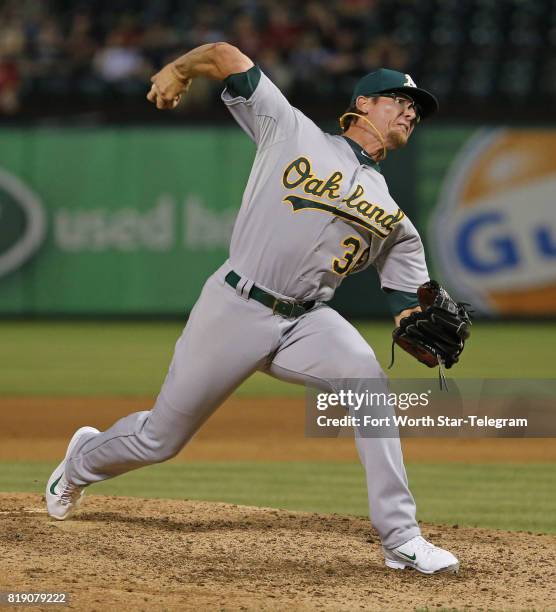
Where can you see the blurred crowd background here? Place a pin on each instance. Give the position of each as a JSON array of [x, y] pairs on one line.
[[486, 59]]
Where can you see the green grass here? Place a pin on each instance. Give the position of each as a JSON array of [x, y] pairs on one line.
[[114, 358], [509, 496], [108, 358]]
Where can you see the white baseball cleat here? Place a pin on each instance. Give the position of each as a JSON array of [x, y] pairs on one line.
[[422, 556], [63, 498]]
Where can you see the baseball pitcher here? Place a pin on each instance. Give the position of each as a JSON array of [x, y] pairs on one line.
[[315, 209]]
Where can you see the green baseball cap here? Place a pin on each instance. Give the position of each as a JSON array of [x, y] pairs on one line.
[[392, 81]]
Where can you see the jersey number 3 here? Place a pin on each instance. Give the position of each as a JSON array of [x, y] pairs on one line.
[[343, 265]]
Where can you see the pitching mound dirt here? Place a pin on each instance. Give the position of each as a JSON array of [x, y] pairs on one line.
[[120, 553]]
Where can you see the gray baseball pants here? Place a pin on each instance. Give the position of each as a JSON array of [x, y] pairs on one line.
[[226, 339]]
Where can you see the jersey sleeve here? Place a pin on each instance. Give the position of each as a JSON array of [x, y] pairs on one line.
[[259, 107], [402, 266], [398, 301]]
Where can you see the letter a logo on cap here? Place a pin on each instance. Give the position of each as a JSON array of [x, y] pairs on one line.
[[409, 82]]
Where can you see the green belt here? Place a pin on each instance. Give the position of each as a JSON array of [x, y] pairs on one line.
[[282, 307]]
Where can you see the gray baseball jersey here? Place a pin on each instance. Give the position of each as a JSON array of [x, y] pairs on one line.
[[314, 209]]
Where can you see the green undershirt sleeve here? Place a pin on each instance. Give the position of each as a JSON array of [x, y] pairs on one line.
[[243, 83], [400, 300]]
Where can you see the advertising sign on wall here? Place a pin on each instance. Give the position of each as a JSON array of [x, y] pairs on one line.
[[22, 222], [493, 231], [115, 220], [133, 221]]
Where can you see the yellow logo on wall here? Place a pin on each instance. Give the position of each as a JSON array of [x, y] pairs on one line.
[[494, 228]]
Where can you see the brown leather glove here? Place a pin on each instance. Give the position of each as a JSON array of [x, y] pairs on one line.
[[435, 336]]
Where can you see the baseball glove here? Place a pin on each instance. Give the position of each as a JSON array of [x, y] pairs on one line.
[[435, 336]]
